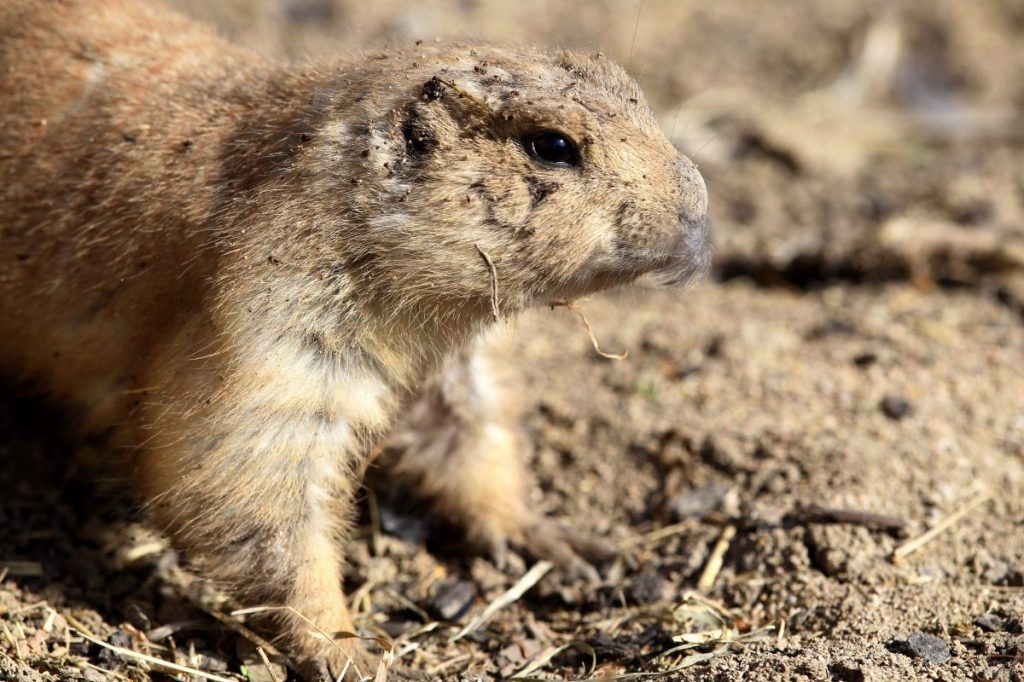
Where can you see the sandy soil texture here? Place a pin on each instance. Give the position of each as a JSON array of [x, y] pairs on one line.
[[784, 436]]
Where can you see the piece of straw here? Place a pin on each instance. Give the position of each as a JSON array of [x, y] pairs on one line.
[[495, 313], [914, 544], [153, 660], [590, 330], [266, 662], [544, 657], [714, 565], [531, 578]]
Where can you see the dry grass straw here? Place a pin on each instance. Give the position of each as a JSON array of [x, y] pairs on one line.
[[158, 663], [22, 569], [409, 604], [403, 645], [819, 513], [449, 663], [462, 93], [714, 565], [655, 536], [914, 544], [332, 638], [226, 621], [544, 657], [495, 313], [704, 629], [590, 330], [376, 543], [386, 660], [702, 623], [706, 622], [15, 644], [512, 595], [143, 550], [267, 665]]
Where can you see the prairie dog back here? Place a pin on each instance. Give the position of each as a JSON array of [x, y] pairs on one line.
[[108, 157]]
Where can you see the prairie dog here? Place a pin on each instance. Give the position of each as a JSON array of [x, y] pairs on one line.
[[241, 269]]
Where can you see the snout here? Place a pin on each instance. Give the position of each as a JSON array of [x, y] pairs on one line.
[[691, 254], [693, 207]]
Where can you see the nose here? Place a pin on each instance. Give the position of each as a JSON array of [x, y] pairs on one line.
[[693, 208]]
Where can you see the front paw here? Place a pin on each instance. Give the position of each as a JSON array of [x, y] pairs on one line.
[[577, 554], [574, 553]]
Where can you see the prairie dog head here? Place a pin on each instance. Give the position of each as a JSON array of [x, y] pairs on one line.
[[550, 162]]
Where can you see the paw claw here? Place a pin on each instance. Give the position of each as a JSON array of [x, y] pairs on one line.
[[573, 553]]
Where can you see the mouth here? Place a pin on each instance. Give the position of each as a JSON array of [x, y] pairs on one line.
[[684, 261], [690, 258]]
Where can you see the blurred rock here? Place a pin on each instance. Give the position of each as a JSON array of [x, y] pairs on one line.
[[451, 599], [697, 502]]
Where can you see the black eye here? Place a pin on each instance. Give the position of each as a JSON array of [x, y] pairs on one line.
[[552, 148]]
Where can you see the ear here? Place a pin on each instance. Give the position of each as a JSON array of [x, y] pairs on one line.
[[420, 137]]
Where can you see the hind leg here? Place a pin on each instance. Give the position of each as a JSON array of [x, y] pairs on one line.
[[459, 446]]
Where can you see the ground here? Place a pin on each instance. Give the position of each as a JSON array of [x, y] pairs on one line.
[[850, 377]]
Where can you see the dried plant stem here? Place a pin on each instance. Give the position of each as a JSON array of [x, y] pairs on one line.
[[914, 544], [229, 623], [531, 578], [817, 513], [590, 330], [656, 535], [714, 565], [266, 662], [331, 638], [15, 644], [375, 534], [495, 313], [462, 93], [154, 661]]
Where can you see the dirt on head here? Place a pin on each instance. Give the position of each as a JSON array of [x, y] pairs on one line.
[[813, 463]]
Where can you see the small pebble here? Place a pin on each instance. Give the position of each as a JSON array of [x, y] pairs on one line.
[[929, 647], [91, 675], [111, 659], [896, 408], [865, 359], [451, 600], [990, 622], [647, 588], [697, 502], [996, 572]]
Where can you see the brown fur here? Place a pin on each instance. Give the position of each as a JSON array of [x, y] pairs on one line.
[[241, 267]]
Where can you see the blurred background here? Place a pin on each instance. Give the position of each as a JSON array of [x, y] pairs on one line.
[[851, 375]]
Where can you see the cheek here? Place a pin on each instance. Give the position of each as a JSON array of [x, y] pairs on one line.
[[638, 228]]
